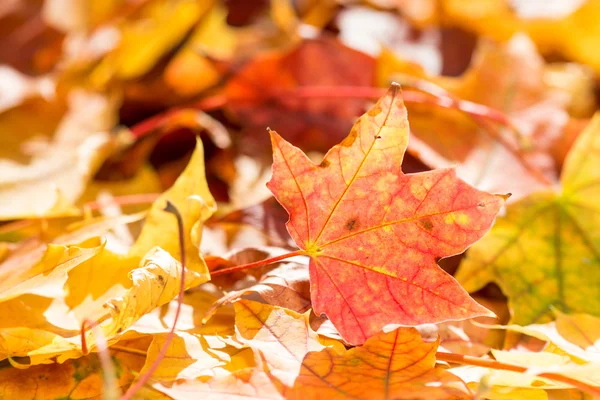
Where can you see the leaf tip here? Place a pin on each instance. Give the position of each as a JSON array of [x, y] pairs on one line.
[[274, 135], [505, 197], [395, 90]]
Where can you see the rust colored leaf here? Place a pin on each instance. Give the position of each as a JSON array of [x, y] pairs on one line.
[[373, 233], [255, 94], [398, 365]]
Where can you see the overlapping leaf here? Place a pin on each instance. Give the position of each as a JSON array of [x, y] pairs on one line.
[[568, 30], [44, 176], [102, 285], [154, 283], [398, 365], [545, 252], [492, 158]]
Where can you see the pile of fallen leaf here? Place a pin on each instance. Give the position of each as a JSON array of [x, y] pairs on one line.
[[299, 199]]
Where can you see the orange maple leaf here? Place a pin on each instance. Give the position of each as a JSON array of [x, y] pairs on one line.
[[374, 233]]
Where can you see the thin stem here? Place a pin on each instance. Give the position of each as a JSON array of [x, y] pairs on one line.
[[155, 122], [163, 351], [90, 324], [494, 364], [257, 264]]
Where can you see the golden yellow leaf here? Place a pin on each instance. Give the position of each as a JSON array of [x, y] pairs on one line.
[[191, 196], [154, 283], [94, 279], [48, 274], [158, 27], [575, 335], [549, 362], [192, 356], [573, 34], [197, 350], [191, 71], [580, 329], [56, 171], [38, 328]]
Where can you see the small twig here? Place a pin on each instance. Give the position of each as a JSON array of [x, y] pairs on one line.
[[257, 264], [142, 379], [90, 324], [495, 364]]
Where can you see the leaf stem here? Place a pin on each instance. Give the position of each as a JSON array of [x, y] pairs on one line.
[[90, 324], [257, 264], [142, 379], [495, 364]]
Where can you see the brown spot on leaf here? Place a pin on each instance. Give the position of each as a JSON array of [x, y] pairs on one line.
[[426, 223], [351, 224], [350, 138], [375, 110], [324, 164], [161, 279]]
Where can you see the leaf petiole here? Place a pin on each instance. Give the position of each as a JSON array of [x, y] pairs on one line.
[[258, 264]]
